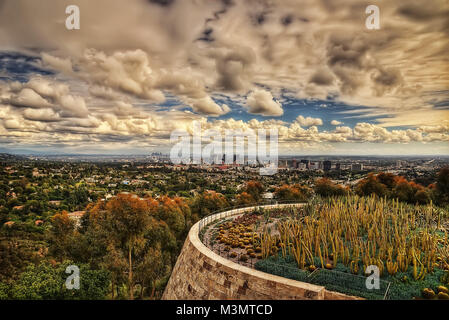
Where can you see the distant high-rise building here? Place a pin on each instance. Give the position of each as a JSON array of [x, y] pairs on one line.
[[338, 166], [282, 164], [306, 162], [314, 166], [357, 167], [327, 165]]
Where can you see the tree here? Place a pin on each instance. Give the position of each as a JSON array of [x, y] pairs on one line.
[[46, 281], [127, 219], [15, 255], [168, 210], [387, 178], [151, 268], [4, 291], [326, 188], [160, 236], [370, 185], [442, 186], [208, 202], [392, 186], [61, 235], [255, 189], [244, 199], [292, 193], [38, 282], [422, 196], [124, 234]]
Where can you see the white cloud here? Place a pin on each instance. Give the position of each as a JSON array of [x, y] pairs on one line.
[[260, 101], [47, 114], [309, 121], [208, 106], [335, 122], [28, 98], [113, 77]]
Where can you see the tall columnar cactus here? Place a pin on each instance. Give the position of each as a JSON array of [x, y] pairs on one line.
[[375, 231]]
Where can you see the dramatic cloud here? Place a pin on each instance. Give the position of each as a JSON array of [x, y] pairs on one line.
[[308, 122], [135, 70], [261, 102]]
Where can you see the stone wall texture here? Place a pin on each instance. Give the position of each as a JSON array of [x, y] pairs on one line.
[[201, 274]]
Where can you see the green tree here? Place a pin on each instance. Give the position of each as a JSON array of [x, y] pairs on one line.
[[61, 236], [47, 282], [151, 268], [442, 186], [121, 227]]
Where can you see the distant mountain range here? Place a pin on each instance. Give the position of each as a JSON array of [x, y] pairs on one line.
[[10, 157], [24, 152]]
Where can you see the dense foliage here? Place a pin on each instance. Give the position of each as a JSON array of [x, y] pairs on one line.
[[135, 217]]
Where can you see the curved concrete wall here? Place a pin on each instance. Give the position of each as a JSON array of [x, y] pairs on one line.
[[201, 274]]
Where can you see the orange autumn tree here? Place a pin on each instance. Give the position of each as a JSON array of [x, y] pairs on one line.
[[392, 186], [371, 185], [251, 194], [326, 188], [116, 228], [61, 235], [128, 218], [170, 211], [208, 202], [244, 199], [255, 189], [292, 193], [409, 191], [127, 233]]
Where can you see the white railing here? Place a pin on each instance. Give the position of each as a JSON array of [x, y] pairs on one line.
[[236, 211]]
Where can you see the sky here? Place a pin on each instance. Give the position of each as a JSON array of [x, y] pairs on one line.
[[137, 70]]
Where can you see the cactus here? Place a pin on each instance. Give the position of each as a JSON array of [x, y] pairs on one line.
[[428, 293], [443, 296]]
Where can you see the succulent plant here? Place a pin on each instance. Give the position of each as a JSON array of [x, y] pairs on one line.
[[428, 293], [443, 289], [311, 268], [443, 296]]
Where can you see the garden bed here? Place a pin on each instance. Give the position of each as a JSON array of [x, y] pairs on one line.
[[332, 242]]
